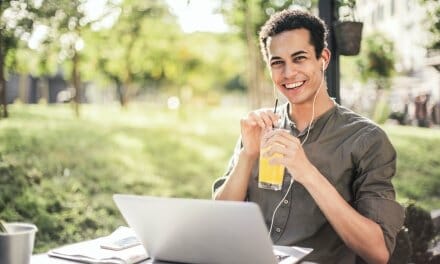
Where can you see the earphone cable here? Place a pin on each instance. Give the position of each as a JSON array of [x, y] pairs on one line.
[[302, 143]]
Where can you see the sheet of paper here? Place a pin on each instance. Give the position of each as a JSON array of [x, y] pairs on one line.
[[91, 252]]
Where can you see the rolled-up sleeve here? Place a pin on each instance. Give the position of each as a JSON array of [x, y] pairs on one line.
[[373, 190], [387, 213]]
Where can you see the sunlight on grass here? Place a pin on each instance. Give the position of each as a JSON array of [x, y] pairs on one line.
[[418, 132], [60, 171], [128, 143], [418, 164]]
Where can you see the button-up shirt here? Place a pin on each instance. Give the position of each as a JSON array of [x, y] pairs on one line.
[[357, 158]]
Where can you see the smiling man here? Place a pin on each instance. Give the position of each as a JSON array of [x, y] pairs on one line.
[[337, 196]]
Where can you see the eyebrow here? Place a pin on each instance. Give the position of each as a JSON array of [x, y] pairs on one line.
[[292, 55]]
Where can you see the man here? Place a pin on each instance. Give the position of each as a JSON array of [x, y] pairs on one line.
[[342, 202]]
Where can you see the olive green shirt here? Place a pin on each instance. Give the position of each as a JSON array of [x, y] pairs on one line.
[[355, 155]]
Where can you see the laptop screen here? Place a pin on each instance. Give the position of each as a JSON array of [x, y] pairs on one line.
[[200, 231]]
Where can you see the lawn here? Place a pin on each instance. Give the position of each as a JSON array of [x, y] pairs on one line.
[[418, 165], [60, 172]]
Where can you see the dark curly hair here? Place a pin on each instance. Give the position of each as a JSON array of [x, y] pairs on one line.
[[294, 19]]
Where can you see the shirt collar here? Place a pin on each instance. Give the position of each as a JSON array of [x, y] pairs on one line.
[[318, 122]]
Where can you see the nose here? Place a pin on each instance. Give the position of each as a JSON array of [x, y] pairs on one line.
[[290, 70]]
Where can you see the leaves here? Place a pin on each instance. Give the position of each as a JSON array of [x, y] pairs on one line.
[[377, 60], [433, 15]]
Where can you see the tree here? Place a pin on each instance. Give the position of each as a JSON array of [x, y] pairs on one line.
[[376, 63], [146, 49], [67, 21], [433, 13], [137, 46], [16, 24]]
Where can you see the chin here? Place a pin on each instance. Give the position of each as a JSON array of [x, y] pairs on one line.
[[297, 100]]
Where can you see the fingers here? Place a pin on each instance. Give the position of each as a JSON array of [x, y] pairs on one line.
[[281, 137], [281, 142], [263, 118]]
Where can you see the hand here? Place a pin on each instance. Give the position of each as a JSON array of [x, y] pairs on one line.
[[293, 157], [251, 128]]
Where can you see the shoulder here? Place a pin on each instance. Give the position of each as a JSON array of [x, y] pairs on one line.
[[365, 133], [360, 124]]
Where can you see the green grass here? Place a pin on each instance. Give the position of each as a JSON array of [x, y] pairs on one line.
[[60, 172], [418, 165]]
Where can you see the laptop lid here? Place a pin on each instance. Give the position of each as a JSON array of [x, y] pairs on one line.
[[199, 231]]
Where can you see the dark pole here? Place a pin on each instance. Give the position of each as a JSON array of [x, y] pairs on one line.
[[328, 12]]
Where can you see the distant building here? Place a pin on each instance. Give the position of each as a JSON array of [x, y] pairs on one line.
[[31, 90], [403, 22]]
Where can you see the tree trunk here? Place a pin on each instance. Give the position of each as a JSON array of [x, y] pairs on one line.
[[125, 91], [254, 78], [128, 80], [120, 91], [76, 83], [3, 101]]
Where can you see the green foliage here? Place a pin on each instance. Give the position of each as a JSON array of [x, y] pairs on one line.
[[350, 12], [376, 61], [433, 17], [16, 22], [348, 3], [146, 48], [139, 42], [143, 49], [382, 110]]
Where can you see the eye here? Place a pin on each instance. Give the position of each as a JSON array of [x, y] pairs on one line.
[[299, 58], [276, 63]]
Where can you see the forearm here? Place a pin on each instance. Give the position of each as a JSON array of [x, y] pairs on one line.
[[359, 233], [235, 186]]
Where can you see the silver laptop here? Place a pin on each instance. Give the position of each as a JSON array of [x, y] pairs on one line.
[[203, 231]]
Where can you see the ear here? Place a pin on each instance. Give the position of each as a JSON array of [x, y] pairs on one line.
[[325, 56]]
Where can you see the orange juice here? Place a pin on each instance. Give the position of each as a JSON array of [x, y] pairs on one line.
[[270, 176]]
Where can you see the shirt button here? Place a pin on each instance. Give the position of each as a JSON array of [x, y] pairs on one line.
[[286, 201], [278, 230]]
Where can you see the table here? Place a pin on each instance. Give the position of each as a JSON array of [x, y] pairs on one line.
[[45, 259]]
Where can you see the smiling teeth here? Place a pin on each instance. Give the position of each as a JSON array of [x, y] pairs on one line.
[[293, 85]]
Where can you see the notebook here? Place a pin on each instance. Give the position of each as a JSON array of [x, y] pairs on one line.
[[203, 231]]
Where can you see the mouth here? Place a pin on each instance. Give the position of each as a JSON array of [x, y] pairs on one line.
[[294, 85]]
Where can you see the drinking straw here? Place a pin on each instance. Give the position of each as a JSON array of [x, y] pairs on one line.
[[275, 109]]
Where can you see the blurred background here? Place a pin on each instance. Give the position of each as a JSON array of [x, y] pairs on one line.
[[131, 96]]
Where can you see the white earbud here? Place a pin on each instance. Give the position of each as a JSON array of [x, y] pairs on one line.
[[323, 67]]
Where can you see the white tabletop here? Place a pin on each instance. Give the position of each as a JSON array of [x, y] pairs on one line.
[[45, 259]]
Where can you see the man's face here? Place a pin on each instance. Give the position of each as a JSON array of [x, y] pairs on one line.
[[294, 68]]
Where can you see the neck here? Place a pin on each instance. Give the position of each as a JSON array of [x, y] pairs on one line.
[[302, 113]]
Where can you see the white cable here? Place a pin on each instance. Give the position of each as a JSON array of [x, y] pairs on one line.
[[302, 143], [313, 111], [279, 204]]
